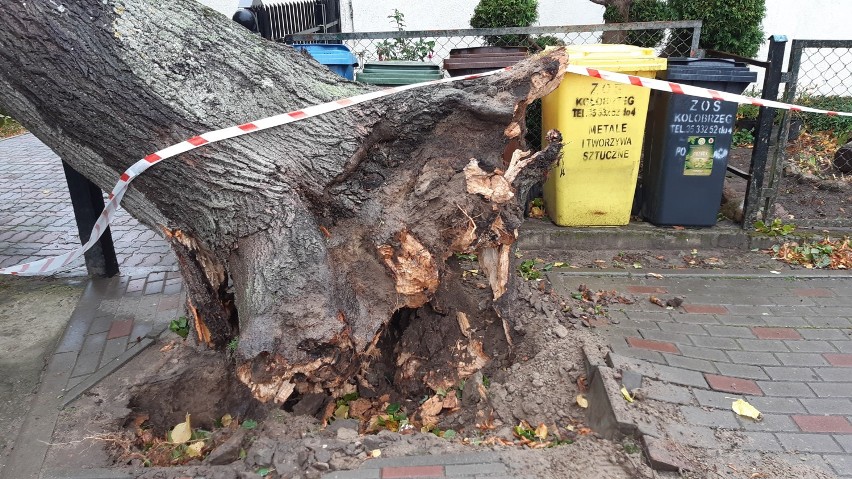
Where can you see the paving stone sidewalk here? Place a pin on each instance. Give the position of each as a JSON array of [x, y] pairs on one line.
[[456, 466], [37, 220], [114, 319], [784, 345]]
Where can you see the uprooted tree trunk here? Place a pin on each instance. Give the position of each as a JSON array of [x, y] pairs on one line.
[[303, 240]]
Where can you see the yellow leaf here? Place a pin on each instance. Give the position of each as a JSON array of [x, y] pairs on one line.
[[194, 449], [342, 412], [743, 408], [541, 431], [582, 401], [626, 394], [182, 432], [558, 264], [227, 420], [375, 453]]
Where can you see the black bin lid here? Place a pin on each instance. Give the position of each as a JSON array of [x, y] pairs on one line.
[[709, 69]]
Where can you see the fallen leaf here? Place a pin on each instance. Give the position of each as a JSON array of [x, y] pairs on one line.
[[342, 412], [167, 347], [182, 432], [558, 264], [536, 212], [775, 272], [582, 401], [359, 407], [485, 422], [657, 301], [194, 449], [581, 384], [139, 420], [626, 394], [227, 420], [541, 431], [570, 427], [637, 265], [745, 409], [654, 275], [375, 453]]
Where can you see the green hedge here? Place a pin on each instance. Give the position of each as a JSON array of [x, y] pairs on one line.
[[505, 13], [835, 124], [731, 26]]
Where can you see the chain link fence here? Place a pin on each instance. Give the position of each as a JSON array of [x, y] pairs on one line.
[[821, 77], [666, 38]]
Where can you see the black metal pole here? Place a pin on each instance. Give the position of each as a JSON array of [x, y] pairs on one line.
[[763, 132], [88, 202]]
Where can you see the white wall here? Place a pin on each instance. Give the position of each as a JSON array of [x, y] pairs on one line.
[[819, 19], [226, 7], [371, 15]]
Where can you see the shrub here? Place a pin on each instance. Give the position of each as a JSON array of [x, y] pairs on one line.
[[731, 26], [505, 13], [403, 48], [815, 122]]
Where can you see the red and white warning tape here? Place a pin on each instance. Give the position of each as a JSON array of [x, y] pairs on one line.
[[56, 263], [681, 89]]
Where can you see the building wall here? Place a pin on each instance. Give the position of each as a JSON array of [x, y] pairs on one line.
[[371, 15]]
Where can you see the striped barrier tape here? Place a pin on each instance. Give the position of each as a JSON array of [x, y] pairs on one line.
[[681, 89], [56, 263]]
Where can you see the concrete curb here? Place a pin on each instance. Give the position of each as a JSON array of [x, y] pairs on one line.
[[709, 273], [543, 235], [99, 473], [606, 415], [93, 379]]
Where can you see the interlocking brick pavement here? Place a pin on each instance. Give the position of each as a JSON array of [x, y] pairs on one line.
[[784, 346], [485, 465], [37, 220], [110, 324]]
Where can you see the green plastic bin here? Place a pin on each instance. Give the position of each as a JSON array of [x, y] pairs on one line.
[[394, 73]]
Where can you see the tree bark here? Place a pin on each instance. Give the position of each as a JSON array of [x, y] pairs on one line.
[[306, 240], [622, 9]]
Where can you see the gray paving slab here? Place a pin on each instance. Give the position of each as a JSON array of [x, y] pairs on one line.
[[801, 442], [793, 374], [742, 371], [761, 441], [40, 222]]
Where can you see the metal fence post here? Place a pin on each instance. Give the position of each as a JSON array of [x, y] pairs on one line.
[[763, 132], [696, 38], [88, 202]]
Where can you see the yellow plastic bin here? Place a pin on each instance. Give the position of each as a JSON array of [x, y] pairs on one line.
[[602, 124]]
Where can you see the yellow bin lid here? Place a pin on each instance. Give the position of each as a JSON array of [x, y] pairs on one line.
[[615, 58]]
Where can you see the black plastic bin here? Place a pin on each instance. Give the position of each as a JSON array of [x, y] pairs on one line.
[[687, 142]]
